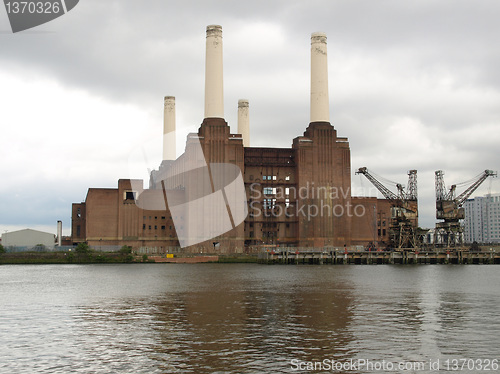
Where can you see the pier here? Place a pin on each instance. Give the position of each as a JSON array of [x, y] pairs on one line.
[[341, 257]]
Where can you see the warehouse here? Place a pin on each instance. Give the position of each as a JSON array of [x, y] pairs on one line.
[[28, 239]]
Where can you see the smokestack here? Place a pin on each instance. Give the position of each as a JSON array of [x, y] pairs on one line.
[[59, 233], [214, 95], [169, 128], [319, 79], [244, 122]]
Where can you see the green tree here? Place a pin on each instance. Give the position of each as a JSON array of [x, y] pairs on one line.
[[126, 249], [2, 249], [82, 248]]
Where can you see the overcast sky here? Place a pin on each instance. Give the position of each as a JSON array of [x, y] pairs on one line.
[[413, 85]]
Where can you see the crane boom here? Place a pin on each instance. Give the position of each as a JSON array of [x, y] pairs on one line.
[[465, 195], [388, 194]]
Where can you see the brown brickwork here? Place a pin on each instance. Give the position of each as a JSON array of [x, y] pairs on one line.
[[298, 196]]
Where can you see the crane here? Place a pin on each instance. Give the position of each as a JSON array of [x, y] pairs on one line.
[[449, 208], [404, 213]]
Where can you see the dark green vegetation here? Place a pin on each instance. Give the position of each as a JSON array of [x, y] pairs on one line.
[[82, 254]]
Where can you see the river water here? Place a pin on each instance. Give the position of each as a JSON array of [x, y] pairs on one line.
[[248, 318]]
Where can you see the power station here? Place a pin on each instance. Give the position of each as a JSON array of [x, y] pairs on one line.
[[291, 197]]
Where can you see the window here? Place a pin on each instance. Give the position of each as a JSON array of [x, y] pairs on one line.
[[269, 190], [269, 203], [79, 213], [287, 178], [78, 230], [130, 195], [144, 226], [163, 227], [150, 227], [269, 177], [156, 227]]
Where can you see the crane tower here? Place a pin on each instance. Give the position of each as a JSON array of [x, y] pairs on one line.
[[404, 212], [449, 232]]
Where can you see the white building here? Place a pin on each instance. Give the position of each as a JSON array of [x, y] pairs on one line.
[[28, 239], [482, 219]]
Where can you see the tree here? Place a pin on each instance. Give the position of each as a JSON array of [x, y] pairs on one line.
[[2, 249], [126, 249], [82, 248]]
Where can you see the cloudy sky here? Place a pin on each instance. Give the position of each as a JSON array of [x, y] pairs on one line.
[[413, 85]]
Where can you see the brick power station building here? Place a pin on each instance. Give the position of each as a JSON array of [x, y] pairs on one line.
[[298, 196]]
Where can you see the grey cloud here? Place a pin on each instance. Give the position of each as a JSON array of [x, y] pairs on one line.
[[433, 62]]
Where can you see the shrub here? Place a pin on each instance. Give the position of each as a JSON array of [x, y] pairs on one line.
[[126, 249], [82, 248]]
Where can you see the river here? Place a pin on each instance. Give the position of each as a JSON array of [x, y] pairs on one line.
[[249, 318]]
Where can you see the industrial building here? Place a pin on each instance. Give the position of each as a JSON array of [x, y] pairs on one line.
[[28, 239], [482, 219], [296, 197]]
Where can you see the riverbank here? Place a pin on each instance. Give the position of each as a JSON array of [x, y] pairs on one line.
[[116, 257], [271, 257]]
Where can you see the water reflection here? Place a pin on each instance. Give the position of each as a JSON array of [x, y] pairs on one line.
[[231, 327]]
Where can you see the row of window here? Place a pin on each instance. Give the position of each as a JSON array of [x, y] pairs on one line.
[[163, 227], [156, 217], [273, 177], [269, 224], [273, 190]]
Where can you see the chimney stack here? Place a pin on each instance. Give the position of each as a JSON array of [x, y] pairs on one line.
[[244, 122], [169, 151], [214, 95], [59, 233], [319, 79]]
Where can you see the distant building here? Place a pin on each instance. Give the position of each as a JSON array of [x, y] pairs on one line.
[[482, 219], [28, 239]]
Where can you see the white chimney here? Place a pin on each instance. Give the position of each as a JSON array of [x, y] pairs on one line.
[[244, 122], [319, 79], [169, 150], [59, 233], [214, 95]]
